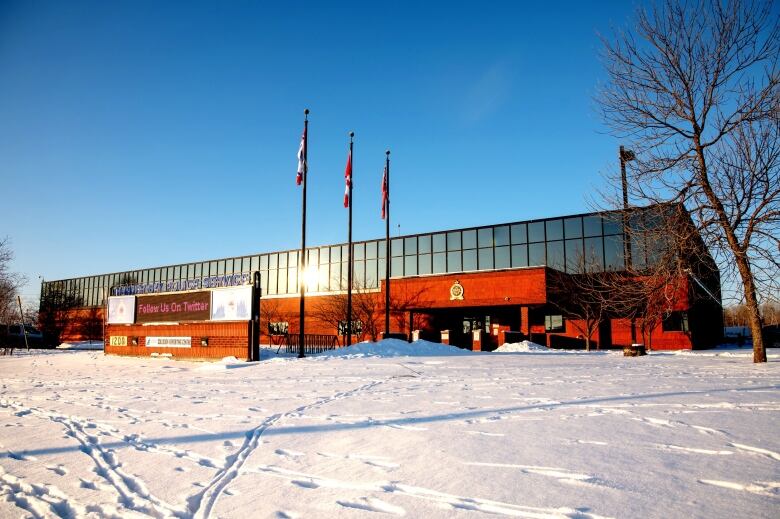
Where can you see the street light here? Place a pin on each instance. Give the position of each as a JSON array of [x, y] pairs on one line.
[[625, 156]]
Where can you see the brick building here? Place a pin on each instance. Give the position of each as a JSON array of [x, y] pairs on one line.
[[473, 284]]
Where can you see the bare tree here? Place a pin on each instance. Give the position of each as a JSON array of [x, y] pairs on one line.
[[57, 305], [10, 283], [582, 297], [331, 310], [404, 299], [90, 324], [368, 308], [695, 89]]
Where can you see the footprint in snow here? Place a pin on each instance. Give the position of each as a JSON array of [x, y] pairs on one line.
[[21, 456], [304, 483], [85, 483], [371, 504], [382, 464], [60, 469], [288, 453]]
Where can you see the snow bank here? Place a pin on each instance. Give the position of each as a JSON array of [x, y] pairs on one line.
[[223, 363], [81, 345], [524, 346], [395, 348]]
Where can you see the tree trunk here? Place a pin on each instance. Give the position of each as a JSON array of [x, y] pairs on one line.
[[754, 316], [740, 257]]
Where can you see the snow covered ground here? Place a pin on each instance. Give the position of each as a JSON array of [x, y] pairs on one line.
[[377, 433]]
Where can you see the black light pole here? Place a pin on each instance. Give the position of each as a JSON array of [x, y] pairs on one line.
[[626, 156], [387, 242], [349, 249], [302, 258]]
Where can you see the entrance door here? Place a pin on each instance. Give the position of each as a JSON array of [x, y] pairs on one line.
[[605, 334]]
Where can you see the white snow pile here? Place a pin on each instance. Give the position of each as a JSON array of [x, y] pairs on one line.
[[81, 345], [522, 347], [223, 363], [395, 348]]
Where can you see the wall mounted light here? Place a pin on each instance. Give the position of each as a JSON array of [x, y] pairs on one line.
[[204, 341]]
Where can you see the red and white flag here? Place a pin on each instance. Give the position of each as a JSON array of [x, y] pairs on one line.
[[348, 179], [384, 192], [301, 158]]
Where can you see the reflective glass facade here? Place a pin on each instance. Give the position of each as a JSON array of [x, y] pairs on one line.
[[591, 242]]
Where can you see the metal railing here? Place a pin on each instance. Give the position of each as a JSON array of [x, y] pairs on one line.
[[312, 343]]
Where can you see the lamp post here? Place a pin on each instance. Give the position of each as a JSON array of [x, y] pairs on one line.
[[626, 156]]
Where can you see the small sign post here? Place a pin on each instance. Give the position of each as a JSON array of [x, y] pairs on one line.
[[24, 330]]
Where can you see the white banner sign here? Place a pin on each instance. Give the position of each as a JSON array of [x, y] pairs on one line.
[[169, 342], [231, 304], [121, 310]]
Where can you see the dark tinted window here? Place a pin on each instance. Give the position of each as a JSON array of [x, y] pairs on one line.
[[397, 248], [536, 254], [519, 233], [502, 257], [536, 231], [594, 254], [613, 224], [486, 258], [469, 239], [501, 235], [453, 240], [573, 227], [410, 265], [410, 245], [439, 263], [485, 237], [424, 243], [424, 264], [470, 259], [554, 229], [439, 243], [575, 260], [371, 250], [453, 262], [592, 225], [555, 255], [613, 252]]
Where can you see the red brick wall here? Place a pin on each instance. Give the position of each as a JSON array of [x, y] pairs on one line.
[[498, 288], [621, 335], [518, 287], [224, 339], [75, 326]]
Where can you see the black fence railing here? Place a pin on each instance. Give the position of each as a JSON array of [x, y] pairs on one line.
[[312, 343]]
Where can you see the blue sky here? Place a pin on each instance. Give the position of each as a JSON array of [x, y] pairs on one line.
[[136, 134]]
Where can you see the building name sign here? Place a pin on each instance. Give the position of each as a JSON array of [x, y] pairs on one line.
[[169, 342], [230, 280]]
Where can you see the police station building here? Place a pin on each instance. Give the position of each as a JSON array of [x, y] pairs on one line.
[[472, 288]]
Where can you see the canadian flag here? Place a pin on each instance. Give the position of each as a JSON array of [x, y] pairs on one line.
[[301, 158], [348, 179], [384, 192]]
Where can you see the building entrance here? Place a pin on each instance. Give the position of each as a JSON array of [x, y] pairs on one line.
[[463, 322]]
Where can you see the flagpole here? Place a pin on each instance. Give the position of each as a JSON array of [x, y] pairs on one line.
[[387, 244], [302, 257], [349, 250]]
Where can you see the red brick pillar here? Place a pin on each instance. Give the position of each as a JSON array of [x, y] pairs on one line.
[[476, 340], [525, 326]]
